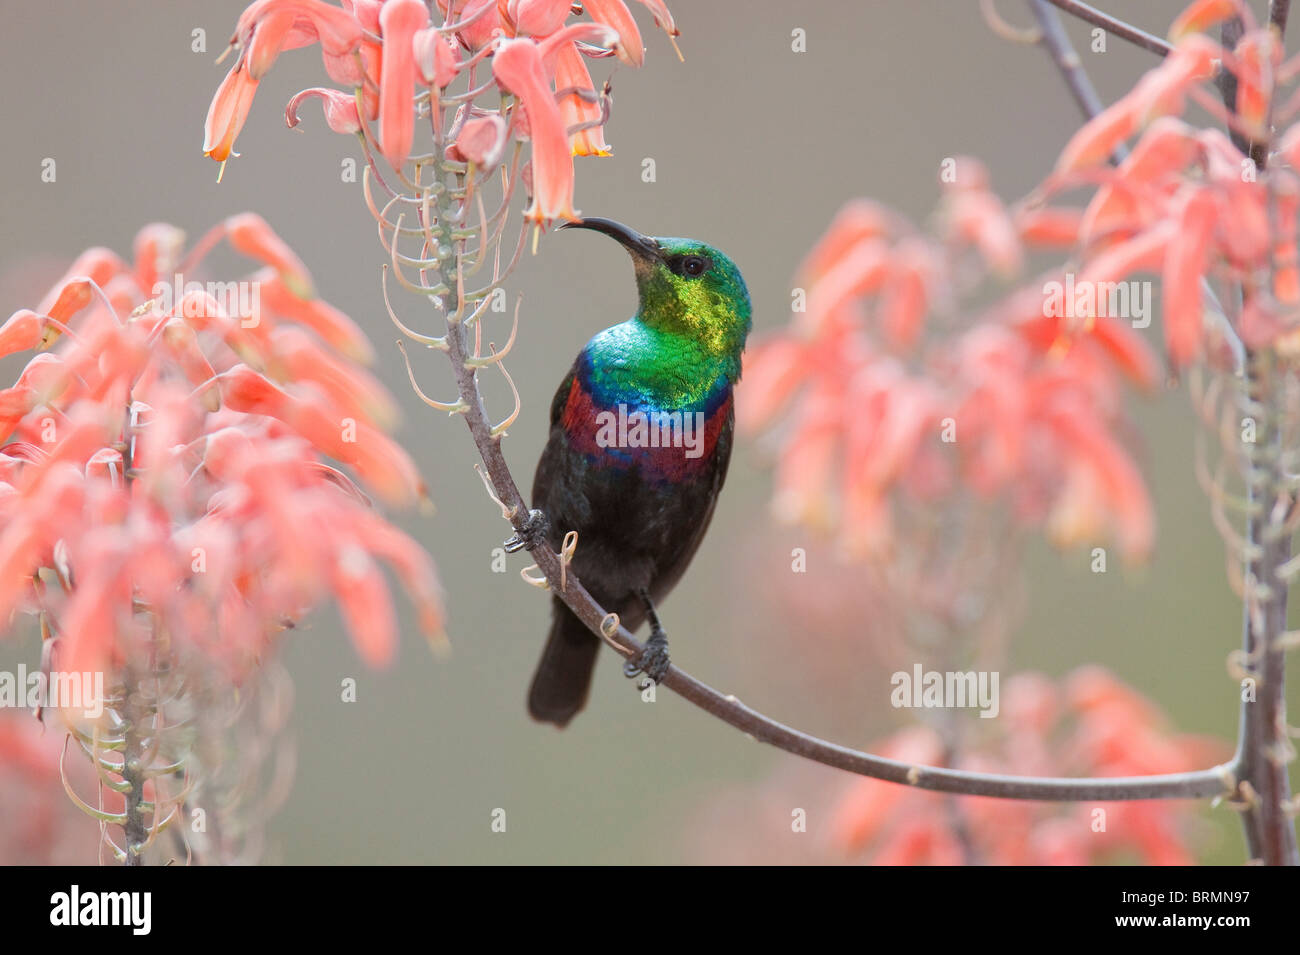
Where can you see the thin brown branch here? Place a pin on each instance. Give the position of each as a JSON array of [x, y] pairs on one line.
[[1262, 744], [1053, 36], [1114, 26], [1278, 11]]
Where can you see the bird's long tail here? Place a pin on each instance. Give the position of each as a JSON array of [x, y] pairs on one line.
[[563, 674]]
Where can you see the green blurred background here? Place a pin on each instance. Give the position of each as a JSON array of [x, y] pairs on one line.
[[755, 147]]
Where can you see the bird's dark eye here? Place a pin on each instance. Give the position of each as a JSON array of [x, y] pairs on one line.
[[693, 265]]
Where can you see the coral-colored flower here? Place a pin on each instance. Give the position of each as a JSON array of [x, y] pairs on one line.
[[436, 57], [249, 234], [519, 65], [228, 112], [400, 21], [337, 31], [340, 110], [482, 141], [537, 17], [1161, 92], [581, 112], [615, 14], [1202, 15]]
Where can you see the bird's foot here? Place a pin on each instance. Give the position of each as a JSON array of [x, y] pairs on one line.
[[652, 660], [532, 533]]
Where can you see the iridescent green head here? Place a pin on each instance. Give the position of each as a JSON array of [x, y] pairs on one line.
[[687, 289]]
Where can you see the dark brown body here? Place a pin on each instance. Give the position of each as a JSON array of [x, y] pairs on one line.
[[635, 531]]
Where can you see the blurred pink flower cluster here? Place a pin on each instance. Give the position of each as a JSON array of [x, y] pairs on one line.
[[165, 476], [391, 60], [1090, 724], [884, 401], [886, 391], [1187, 204]]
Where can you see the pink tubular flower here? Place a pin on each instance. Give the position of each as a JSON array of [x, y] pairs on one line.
[[436, 58], [266, 28], [267, 40], [313, 20], [157, 250], [1201, 16], [228, 113], [334, 327], [578, 105], [615, 14], [1162, 91], [399, 21], [517, 65], [520, 66], [24, 330], [481, 141], [249, 234], [340, 110], [537, 17]]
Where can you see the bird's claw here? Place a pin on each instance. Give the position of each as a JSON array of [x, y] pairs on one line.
[[532, 533], [652, 660]]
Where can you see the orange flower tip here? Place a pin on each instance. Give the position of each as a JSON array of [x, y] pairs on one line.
[[299, 284], [1200, 16]]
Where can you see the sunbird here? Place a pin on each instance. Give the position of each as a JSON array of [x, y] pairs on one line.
[[640, 438]]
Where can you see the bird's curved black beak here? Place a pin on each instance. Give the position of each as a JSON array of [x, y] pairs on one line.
[[640, 246]]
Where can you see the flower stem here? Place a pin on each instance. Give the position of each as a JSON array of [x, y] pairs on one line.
[[133, 769], [1263, 747]]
